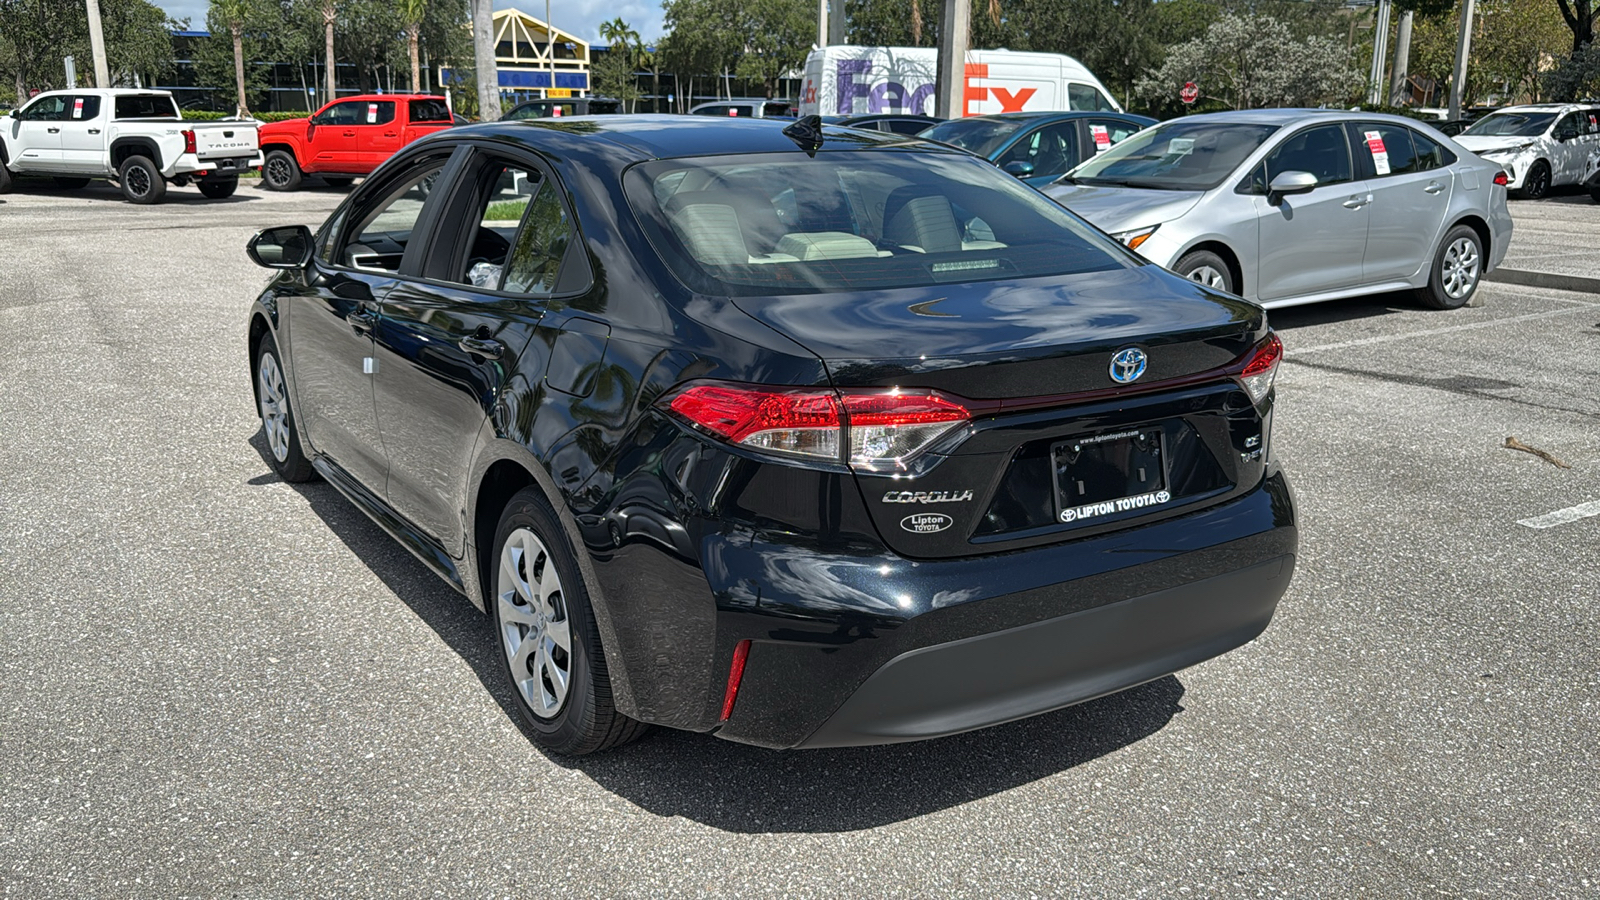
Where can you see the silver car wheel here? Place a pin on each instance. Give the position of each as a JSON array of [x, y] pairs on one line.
[[274, 404], [1210, 277], [534, 628], [1459, 273]]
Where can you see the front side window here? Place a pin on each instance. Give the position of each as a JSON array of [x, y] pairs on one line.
[[1051, 149], [382, 230], [1087, 97], [350, 112], [975, 134], [1323, 151], [1175, 156], [1567, 128], [852, 220], [47, 109]]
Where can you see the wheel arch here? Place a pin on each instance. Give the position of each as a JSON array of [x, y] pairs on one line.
[[1220, 248], [122, 148], [259, 328], [285, 145], [1476, 223]]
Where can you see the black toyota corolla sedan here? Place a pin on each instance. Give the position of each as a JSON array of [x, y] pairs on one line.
[[801, 436]]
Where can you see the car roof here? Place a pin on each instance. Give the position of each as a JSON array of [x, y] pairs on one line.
[[624, 140], [1282, 117]]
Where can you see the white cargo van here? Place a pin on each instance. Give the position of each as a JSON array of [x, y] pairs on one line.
[[853, 81]]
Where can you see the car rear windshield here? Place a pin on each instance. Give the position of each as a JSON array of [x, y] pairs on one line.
[[1511, 125], [783, 223], [975, 135], [146, 106], [1175, 156], [430, 111]]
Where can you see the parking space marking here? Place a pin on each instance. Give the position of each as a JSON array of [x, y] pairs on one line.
[[1563, 516], [1578, 306]]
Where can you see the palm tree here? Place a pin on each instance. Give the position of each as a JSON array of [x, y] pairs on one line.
[[623, 40], [411, 12], [235, 14], [330, 14]]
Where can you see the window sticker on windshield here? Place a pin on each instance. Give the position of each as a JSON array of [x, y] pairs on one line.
[[1102, 138], [77, 107], [1380, 155], [1180, 146], [372, 113]]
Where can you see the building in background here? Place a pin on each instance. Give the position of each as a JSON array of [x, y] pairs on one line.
[[535, 61]]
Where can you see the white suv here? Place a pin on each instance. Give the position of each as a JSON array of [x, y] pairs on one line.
[[135, 138], [1540, 146]]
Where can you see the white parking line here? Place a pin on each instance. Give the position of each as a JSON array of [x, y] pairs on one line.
[[1493, 323], [1563, 516]]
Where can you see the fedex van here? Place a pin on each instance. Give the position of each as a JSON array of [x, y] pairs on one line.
[[853, 81]]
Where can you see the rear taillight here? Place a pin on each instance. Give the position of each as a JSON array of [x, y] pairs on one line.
[[874, 430], [1261, 367], [1501, 178], [188, 141]]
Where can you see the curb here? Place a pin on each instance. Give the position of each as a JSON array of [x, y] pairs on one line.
[[1546, 280]]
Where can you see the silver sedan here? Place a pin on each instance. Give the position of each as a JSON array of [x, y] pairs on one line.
[[1298, 206]]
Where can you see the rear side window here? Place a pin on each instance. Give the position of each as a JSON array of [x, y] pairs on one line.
[[144, 106], [1387, 149], [84, 108], [1430, 155], [782, 223], [1087, 97], [535, 265], [429, 111]]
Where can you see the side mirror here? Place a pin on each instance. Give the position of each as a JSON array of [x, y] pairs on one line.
[[15, 114], [285, 247], [1290, 183], [1019, 168]]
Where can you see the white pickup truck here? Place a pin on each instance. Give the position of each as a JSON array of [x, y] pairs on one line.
[[137, 139]]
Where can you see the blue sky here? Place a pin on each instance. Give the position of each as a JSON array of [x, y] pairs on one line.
[[582, 18]]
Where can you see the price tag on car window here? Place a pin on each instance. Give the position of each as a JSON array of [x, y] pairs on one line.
[[734, 112], [372, 113], [1380, 154], [77, 107], [1102, 138], [555, 112]]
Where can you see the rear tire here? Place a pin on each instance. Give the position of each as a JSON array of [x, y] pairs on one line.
[[1207, 268], [70, 184], [220, 189], [1456, 272], [5, 179], [547, 637], [288, 458], [141, 180], [1594, 193], [338, 182], [280, 172], [1536, 183]]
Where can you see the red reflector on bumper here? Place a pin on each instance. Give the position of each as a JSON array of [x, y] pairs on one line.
[[1501, 178], [735, 675]]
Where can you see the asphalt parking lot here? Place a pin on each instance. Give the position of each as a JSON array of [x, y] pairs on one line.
[[217, 684]]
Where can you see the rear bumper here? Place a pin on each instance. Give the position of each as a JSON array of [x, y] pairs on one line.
[[882, 650], [1019, 672], [228, 167]]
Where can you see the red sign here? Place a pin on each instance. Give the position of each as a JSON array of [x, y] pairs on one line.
[[1190, 92], [1102, 138]]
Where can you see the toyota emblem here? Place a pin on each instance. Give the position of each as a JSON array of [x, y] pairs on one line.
[[1127, 365]]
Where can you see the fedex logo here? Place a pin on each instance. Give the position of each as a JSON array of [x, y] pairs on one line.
[[892, 96]]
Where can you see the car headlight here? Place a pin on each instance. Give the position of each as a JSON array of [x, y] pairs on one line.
[[1132, 239]]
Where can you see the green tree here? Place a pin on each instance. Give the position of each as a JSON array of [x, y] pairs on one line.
[[1580, 16], [777, 37], [704, 38], [1249, 61], [614, 75], [35, 34], [235, 16]]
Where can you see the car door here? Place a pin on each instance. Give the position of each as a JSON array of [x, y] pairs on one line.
[[377, 135], [1051, 149], [332, 317], [83, 147], [449, 340], [1567, 151], [36, 134], [1409, 200], [1316, 241], [332, 138]]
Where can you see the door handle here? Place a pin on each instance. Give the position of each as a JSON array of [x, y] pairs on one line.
[[349, 134], [53, 130], [94, 131], [488, 348], [362, 320], [1433, 187], [1356, 202], [390, 134]]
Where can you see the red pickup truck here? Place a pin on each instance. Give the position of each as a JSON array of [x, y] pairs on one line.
[[347, 138]]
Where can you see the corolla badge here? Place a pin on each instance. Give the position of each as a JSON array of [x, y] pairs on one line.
[[1127, 365]]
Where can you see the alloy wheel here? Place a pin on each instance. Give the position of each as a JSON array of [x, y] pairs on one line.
[[534, 628], [138, 180], [1210, 277], [1459, 273], [274, 407], [278, 171]]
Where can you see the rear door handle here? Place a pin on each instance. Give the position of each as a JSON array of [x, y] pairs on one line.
[[488, 348], [362, 320], [1434, 187], [94, 131]]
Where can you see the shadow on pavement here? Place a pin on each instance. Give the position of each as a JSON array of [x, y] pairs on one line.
[[1347, 310], [746, 789]]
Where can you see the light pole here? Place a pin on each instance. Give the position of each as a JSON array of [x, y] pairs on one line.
[[1380, 48], [97, 47], [951, 73], [1402, 61], [1458, 84]]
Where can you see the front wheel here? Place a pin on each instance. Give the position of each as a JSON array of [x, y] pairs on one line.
[[277, 419], [70, 184], [141, 180], [220, 189], [1207, 268], [1537, 182], [547, 635], [1457, 269], [280, 172]]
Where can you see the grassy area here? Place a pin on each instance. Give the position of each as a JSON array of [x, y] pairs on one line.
[[506, 210]]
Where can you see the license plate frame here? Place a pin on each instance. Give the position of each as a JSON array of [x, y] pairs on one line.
[[1106, 475]]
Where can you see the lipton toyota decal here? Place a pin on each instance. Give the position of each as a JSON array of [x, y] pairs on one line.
[[1091, 510], [926, 523], [927, 496]]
